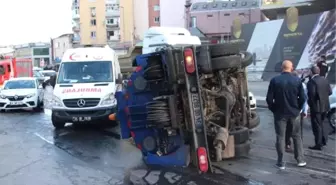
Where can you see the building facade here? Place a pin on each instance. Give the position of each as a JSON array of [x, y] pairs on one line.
[[141, 20], [154, 12], [39, 53], [96, 22], [215, 19], [60, 45]]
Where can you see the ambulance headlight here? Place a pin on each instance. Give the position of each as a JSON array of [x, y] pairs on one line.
[[109, 100]]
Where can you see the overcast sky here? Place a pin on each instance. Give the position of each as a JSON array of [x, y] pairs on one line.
[[24, 21]]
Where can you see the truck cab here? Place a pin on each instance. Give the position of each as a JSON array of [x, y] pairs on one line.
[[85, 88]]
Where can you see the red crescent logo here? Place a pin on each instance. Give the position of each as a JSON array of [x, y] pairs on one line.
[[71, 56]]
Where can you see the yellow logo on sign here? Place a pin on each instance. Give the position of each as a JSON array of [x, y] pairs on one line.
[[292, 18], [237, 28]]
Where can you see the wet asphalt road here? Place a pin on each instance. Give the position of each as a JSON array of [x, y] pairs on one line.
[[32, 153]]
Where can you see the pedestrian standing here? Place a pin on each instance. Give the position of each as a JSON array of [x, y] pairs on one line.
[[319, 91], [303, 115], [285, 98], [322, 64]]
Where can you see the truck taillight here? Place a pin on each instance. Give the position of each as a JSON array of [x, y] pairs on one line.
[[202, 156], [189, 60]]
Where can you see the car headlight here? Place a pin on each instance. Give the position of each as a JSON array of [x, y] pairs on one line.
[[57, 102], [109, 100], [2, 96], [30, 95]]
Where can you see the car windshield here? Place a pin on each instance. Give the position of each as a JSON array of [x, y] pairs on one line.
[[20, 84], [49, 73], [85, 72]]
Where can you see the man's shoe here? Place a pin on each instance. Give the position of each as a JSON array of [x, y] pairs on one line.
[[288, 149], [281, 166], [315, 148], [301, 164]]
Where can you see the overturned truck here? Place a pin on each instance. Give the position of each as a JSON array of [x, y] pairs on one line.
[[188, 104]]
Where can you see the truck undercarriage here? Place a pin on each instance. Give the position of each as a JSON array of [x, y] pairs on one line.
[[183, 105]]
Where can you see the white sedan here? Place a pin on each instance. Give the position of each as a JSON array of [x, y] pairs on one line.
[[21, 93], [332, 112]]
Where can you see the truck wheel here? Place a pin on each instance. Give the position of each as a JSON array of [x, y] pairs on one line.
[[225, 62], [57, 124], [224, 49], [246, 59], [240, 134], [254, 120], [242, 150]]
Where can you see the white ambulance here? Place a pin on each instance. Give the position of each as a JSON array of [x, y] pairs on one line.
[[87, 81]]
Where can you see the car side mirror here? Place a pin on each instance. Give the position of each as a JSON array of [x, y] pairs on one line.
[[119, 79]]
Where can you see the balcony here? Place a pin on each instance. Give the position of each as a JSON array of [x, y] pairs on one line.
[[112, 25], [75, 28], [75, 15], [112, 13]]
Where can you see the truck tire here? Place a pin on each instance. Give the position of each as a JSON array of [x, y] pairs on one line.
[[226, 62], [254, 120], [217, 50], [240, 134], [246, 59], [57, 124], [242, 150]]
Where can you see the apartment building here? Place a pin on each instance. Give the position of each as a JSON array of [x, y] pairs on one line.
[[60, 45], [96, 22]]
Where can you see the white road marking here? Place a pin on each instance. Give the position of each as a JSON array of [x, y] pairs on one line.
[[44, 139]]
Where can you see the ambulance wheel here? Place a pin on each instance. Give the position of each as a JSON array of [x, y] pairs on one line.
[[242, 150], [224, 49], [246, 58], [57, 124], [226, 62], [254, 120], [240, 134]]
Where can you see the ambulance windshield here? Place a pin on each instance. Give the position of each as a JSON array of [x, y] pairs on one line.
[[85, 72]]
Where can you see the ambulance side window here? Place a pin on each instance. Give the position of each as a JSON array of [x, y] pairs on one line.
[[9, 68], [2, 70]]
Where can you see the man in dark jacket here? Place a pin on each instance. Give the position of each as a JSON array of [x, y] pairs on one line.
[[319, 91], [323, 66], [285, 98]]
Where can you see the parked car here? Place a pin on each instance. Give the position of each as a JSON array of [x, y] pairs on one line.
[[21, 93], [48, 73], [332, 112], [253, 101]]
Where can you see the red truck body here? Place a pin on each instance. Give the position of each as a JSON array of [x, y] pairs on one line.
[[15, 67]]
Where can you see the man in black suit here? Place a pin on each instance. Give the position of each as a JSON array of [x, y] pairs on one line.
[[319, 91], [285, 98]]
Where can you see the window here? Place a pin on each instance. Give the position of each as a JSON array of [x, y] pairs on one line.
[[109, 7], [156, 8], [110, 33], [9, 68], [224, 5], [157, 19], [214, 5], [234, 4], [242, 14], [254, 3], [110, 21], [2, 70], [193, 22], [93, 11], [205, 6], [85, 72], [244, 3], [93, 22], [93, 34], [194, 7], [226, 14], [41, 51]]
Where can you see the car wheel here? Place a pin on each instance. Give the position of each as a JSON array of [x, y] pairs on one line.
[[246, 59], [57, 124], [225, 62], [240, 134], [242, 150], [224, 49], [38, 107], [332, 118], [254, 120]]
